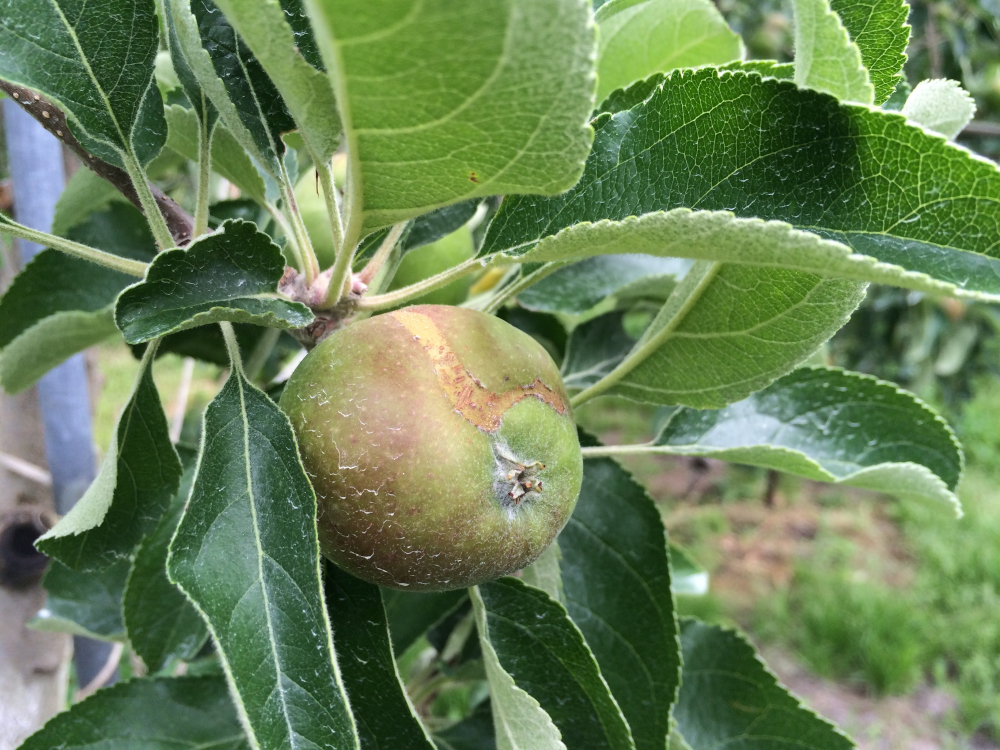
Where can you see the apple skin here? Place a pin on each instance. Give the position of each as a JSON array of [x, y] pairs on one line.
[[425, 432]]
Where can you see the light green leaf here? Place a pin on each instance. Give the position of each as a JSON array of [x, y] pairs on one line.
[[544, 573], [148, 714], [231, 275], [443, 102], [828, 425], [229, 160], [721, 237], [616, 576], [203, 109], [85, 193], [940, 105], [383, 713], [880, 30], [162, 624], [580, 286], [84, 603], [247, 555], [687, 577], [100, 73], [859, 176], [226, 70], [51, 341], [728, 697], [519, 720], [132, 490], [540, 648], [263, 26], [642, 37], [825, 57]]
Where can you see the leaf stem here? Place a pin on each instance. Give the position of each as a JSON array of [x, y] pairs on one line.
[[389, 300], [513, 289], [204, 173], [154, 218], [102, 258], [678, 305], [232, 346], [310, 266], [601, 451], [331, 195], [378, 259]]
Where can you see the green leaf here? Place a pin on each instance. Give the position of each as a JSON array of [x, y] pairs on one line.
[[162, 624], [474, 732], [642, 37], [831, 426], [825, 57], [151, 714], [595, 349], [229, 160], [687, 577], [100, 73], [51, 341], [133, 488], [232, 274], [203, 109], [84, 603], [940, 105], [616, 578], [264, 27], [498, 103], [519, 720], [411, 614], [579, 287], [53, 282], [880, 30], [247, 100], [382, 711], [540, 648], [859, 176], [85, 193], [544, 573], [247, 555], [729, 698]]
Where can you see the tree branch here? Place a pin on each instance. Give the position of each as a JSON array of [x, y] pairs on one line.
[[53, 119]]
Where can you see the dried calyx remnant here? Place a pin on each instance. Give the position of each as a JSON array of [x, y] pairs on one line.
[[517, 480]]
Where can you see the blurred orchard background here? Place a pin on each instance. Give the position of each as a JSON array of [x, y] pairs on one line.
[[882, 617]]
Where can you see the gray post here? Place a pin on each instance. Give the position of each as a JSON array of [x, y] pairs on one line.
[[36, 169]]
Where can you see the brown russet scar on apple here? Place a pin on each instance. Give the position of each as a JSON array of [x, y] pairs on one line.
[[471, 399]]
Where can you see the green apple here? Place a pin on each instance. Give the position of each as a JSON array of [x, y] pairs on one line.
[[441, 446], [423, 262]]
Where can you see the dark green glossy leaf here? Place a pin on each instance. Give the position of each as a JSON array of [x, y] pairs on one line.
[[474, 732], [859, 176], [502, 111], [148, 714], [578, 287], [382, 711], [276, 32], [230, 275], [433, 226], [412, 614], [96, 61], [616, 580], [162, 624], [133, 488], [544, 328], [880, 30], [831, 426], [85, 603], [246, 553], [595, 349], [542, 650], [729, 698]]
